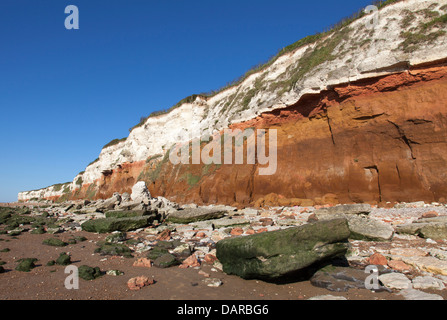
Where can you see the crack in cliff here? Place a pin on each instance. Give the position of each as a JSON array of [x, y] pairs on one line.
[[376, 169], [330, 128], [408, 142]]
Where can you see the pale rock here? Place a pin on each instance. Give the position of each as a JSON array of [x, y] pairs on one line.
[[140, 192], [396, 281], [412, 294], [427, 282]]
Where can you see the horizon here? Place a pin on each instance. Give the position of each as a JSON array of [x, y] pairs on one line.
[[67, 93]]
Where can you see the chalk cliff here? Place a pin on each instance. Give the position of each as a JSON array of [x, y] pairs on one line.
[[360, 114]]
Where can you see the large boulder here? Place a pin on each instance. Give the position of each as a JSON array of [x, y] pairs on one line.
[[108, 204], [271, 255], [363, 228], [341, 211], [433, 228], [195, 214], [108, 225], [140, 192]]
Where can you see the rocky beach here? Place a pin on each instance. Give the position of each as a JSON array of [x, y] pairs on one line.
[[139, 247]]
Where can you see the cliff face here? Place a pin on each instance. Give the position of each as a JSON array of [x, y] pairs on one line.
[[360, 116]]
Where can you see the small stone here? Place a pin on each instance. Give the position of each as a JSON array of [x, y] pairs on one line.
[[399, 265], [165, 235], [191, 262], [26, 265], [138, 283], [212, 282], [210, 258], [430, 214], [395, 281], [378, 259], [115, 273], [237, 232], [203, 273], [63, 260], [143, 263]]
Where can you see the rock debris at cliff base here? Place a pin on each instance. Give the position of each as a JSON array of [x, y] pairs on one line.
[[141, 258]]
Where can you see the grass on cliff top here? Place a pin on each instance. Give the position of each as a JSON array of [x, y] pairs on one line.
[[423, 33], [261, 66]]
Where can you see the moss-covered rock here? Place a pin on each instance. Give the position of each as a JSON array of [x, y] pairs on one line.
[[195, 214], [165, 261], [89, 273], [127, 214], [113, 249], [63, 260], [156, 252], [51, 263], [38, 230], [116, 237], [108, 225], [26, 265], [54, 242], [271, 255]]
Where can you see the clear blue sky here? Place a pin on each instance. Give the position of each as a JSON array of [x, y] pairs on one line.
[[66, 93]]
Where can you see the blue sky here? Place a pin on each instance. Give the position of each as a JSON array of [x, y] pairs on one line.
[[66, 93]]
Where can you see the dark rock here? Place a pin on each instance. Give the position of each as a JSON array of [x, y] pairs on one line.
[[195, 214], [63, 260], [276, 254], [89, 273], [54, 242], [165, 261], [113, 224], [26, 265], [114, 249], [341, 279]]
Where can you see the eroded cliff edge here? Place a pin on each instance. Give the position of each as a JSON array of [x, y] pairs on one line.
[[360, 116]]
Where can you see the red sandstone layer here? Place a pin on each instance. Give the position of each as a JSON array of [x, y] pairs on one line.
[[377, 140]]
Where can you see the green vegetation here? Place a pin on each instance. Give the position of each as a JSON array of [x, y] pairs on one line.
[[114, 142], [79, 182], [259, 67], [423, 34], [26, 265], [54, 242], [88, 273]]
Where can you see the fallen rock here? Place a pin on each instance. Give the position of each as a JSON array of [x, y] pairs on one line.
[[165, 261], [212, 282], [190, 262], [89, 273], [140, 192], [363, 228], [143, 263], [428, 282], [340, 279], [138, 283], [378, 260], [395, 280], [412, 294], [26, 265], [399, 266], [107, 225], [340, 211], [274, 254], [195, 214]]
